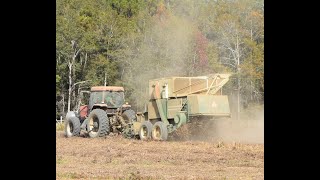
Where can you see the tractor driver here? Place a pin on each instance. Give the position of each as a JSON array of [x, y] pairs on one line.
[[110, 100]]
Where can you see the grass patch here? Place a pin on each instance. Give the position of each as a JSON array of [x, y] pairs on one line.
[[131, 176], [59, 126], [60, 160], [71, 176]]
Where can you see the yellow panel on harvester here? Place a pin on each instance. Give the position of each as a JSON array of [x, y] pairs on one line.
[[211, 105], [173, 87]]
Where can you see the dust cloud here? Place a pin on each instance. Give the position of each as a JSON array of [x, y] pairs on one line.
[[166, 49], [249, 128]]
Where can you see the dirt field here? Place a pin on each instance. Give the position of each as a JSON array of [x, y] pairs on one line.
[[119, 158]]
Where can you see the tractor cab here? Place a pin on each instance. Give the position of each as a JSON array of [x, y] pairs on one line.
[[106, 97]]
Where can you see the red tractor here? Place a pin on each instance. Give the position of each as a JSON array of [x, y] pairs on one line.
[[106, 112]]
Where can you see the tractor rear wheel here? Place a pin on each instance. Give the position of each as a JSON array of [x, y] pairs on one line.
[[145, 130], [159, 131], [72, 127], [98, 123], [129, 116]]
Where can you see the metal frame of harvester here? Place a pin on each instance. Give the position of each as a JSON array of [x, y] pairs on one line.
[[174, 101]]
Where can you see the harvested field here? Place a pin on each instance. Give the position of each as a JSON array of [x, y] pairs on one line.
[[115, 157]]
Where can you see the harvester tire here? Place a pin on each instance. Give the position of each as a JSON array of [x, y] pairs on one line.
[[98, 123], [145, 130], [129, 116], [72, 127], [159, 131]]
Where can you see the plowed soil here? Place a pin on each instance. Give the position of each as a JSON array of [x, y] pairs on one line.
[[115, 157]]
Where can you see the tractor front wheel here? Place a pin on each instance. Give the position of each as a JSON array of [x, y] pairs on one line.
[[72, 127]]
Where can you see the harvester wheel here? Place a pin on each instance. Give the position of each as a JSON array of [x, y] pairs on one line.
[[129, 116], [159, 131], [72, 127], [145, 130], [98, 123]]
